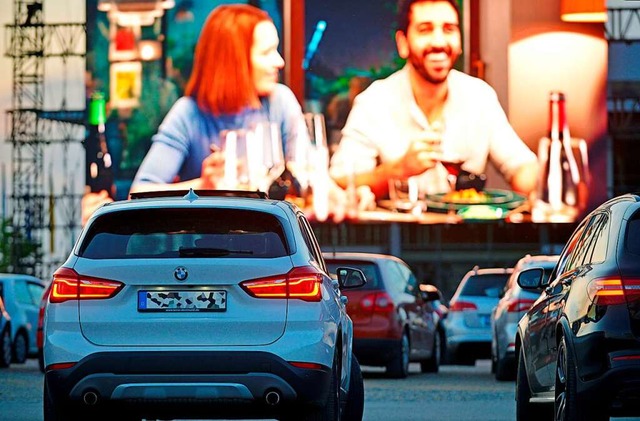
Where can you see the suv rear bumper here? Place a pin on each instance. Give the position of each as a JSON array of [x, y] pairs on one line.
[[188, 382]]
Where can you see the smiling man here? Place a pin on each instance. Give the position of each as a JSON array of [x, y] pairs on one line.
[[428, 113]]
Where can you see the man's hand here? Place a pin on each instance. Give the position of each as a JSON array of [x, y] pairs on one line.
[[425, 150]]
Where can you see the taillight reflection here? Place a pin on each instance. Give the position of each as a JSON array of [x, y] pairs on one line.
[[301, 283], [518, 305], [612, 291], [69, 285], [462, 306]]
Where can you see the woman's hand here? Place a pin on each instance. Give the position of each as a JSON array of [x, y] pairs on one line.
[[92, 201], [212, 170]]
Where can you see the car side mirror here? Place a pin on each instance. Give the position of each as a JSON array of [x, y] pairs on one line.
[[349, 278], [531, 279]]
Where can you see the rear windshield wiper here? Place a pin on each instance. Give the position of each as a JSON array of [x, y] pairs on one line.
[[209, 252]]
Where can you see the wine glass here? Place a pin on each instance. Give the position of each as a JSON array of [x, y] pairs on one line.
[[266, 154], [233, 146], [452, 157]]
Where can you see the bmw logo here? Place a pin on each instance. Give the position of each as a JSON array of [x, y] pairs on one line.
[[181, 273]]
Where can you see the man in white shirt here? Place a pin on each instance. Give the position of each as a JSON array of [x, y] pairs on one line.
[[427, 112]]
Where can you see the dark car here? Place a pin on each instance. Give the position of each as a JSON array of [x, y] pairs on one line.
[[394, 322], [579, 344]]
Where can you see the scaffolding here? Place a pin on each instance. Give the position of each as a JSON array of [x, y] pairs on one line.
[[40, 207]]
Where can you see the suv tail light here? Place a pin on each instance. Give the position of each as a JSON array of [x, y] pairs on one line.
[[462, 306], [69, 285], [518, 305], [612, 291], [302, 283], [380, 302]]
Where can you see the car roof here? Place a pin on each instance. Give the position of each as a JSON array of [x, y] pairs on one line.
[[199, 198], [488, 271], [358, 256], [16, 276]]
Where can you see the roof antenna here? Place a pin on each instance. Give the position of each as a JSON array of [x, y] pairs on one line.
[[191, 196]]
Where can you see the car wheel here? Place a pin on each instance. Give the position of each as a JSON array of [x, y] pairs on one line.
[[525, 410], [399, 367], [503, 369], [566, 407], [354, 408], [330, 411], [20, 349], [52, 410], [5, 348], [443, 346], [41, 360], [432, 364]]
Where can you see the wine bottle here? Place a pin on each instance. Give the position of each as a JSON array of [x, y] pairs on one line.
[[558, 193], [99, 171]]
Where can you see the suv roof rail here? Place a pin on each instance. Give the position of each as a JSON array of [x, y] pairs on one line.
[[194, 194]]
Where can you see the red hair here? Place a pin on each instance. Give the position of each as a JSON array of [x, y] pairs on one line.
[[221, 80]]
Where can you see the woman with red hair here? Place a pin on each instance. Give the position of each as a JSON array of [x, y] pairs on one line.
[[233, 85]]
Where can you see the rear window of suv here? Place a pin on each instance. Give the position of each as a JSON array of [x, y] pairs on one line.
[[484, 285], [192, 233]]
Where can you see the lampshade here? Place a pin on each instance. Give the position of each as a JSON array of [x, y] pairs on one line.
[[583, 11]]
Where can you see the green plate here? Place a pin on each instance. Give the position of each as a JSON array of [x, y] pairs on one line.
[[505, 199]]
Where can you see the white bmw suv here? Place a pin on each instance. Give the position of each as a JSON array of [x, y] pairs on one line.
[[199, 305]]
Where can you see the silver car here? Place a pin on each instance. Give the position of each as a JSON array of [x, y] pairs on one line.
[[22, 295], [206, 307], [505, 316], [468, 322]]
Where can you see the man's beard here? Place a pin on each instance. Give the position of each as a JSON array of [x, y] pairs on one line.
[[417, 62]]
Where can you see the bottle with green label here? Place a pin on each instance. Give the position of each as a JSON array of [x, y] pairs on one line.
[[99, 171]]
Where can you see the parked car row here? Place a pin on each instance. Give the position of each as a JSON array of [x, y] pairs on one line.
[[565, 327], [20, 298]]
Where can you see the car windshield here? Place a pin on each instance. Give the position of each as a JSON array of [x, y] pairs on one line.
[[368, 268], [482, 285], [193, 233]]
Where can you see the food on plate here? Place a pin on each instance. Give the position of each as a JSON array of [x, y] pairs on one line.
[[466, 196]]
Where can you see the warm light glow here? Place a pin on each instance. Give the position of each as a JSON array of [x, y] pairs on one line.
[[583, 11], [150, 50]]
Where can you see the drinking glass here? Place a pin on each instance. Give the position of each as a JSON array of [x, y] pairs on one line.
[[405, 195], [452, 157], [266, 154], [233, 146], [253, 157]]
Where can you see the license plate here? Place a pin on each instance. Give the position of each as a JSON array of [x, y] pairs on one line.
[[484, 320], [182, 301]]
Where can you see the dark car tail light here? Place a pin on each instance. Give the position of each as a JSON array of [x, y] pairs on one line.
[[462, 306], [612, 291], [519, 304], [379, 302], [302, 283], [69, 285]]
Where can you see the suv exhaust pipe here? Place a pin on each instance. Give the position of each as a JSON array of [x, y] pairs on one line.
[[272, 398], [90, 398]]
